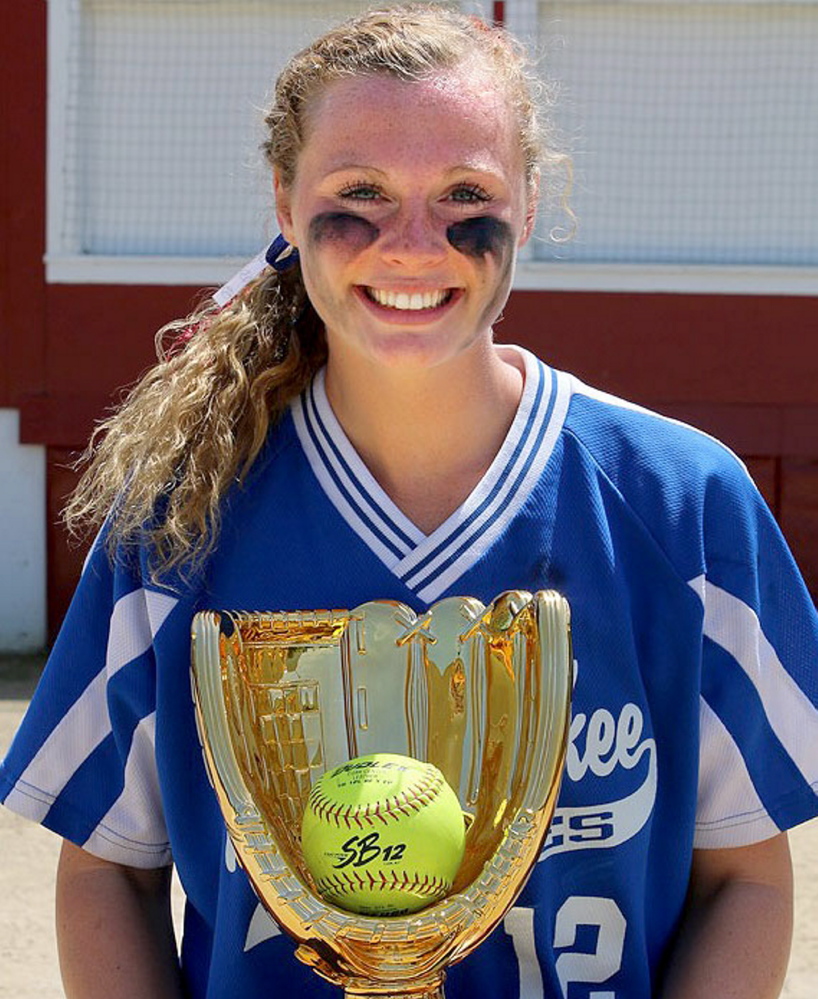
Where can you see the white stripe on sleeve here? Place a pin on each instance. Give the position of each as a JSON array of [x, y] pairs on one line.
[[159, 605], [134, 620], [133, 831], [81, 729], [734, 626], [729, 811]]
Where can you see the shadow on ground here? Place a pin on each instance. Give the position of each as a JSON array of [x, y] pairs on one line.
[[19, 675]]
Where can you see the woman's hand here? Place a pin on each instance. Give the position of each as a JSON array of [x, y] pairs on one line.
[[735, 937], [114, 929]]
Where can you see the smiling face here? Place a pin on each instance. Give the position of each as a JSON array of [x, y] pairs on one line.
[[408, 205]]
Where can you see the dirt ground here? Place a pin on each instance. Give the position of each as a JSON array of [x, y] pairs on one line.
[[28, 955]]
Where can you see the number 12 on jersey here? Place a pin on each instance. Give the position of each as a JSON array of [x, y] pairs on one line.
[[573, 966]]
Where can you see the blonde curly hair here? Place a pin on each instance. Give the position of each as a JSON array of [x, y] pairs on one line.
[[159, 467]]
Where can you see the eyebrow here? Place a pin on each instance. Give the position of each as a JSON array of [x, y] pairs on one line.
[[355, 166], [450, 172]]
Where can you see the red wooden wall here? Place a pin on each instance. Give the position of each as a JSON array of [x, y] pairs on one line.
[[742, 368]]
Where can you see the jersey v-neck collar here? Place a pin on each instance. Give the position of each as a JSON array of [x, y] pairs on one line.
[[429, 564]]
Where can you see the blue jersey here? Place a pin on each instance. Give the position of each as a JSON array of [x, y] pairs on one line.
[[694, 716]]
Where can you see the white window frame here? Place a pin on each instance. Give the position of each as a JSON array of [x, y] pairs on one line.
[[66, 265]]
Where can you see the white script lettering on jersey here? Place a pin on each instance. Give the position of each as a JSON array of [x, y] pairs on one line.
[[609, 742], [604, 744]]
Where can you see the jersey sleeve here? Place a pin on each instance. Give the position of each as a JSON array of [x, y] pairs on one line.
[[758, 770], [83, 760]]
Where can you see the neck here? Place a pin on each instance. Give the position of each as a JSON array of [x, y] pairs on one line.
[[429, 435]]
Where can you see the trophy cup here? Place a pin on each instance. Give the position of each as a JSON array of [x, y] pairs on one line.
[[482, 692]]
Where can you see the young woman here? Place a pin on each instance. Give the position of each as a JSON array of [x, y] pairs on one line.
[[346, 429]]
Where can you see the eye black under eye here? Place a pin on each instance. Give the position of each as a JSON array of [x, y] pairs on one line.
[[343, 230], [482, 235]]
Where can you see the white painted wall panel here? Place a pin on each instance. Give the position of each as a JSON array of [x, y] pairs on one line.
[[22, 540]]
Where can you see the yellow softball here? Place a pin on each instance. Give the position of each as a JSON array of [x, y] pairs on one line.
[[383, 835]]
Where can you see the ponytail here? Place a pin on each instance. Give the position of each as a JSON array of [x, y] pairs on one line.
[[159, 467]]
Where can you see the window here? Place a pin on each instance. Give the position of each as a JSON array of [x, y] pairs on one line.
[[693, 128], [154, 172]]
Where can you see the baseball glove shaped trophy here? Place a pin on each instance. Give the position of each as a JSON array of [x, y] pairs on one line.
[[397, 744]]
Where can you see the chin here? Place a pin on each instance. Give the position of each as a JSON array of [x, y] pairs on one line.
[[416, 350]]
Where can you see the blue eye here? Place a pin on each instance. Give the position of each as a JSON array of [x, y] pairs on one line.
[[470, 193], [360, 192]]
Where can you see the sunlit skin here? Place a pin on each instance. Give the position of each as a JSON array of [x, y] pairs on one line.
[[387, 186], [408, 206]]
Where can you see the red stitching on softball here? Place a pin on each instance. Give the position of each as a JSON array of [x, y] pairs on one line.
[[347, 882], [426, 791]]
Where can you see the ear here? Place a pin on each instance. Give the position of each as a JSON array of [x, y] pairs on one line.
[[532, 201], [283, 202]]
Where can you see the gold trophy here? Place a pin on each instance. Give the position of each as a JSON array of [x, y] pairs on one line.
[[482, 692]]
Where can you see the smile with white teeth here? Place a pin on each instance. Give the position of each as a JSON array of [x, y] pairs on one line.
[[410, 301]]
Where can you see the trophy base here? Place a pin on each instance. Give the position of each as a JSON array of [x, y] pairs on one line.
[[424, 992], [429, 986]]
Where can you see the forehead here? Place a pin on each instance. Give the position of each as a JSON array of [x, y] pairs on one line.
[[459, 116]]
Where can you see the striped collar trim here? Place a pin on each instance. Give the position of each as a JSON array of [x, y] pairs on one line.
[[429, 564]]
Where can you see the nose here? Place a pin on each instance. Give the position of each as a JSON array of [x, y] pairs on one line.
[[413, 236]]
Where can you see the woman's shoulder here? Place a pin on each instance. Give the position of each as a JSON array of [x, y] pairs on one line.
[[689, 491], [634, 445]]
